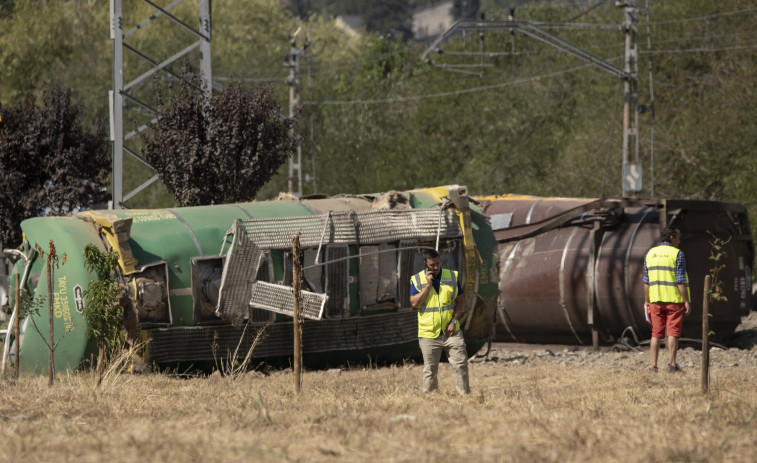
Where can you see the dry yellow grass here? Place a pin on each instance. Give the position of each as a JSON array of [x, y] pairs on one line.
[[518, 413]]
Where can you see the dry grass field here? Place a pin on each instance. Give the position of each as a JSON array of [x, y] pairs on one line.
[[541, 406]]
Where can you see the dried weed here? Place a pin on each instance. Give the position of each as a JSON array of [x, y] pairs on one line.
[[550, 412]]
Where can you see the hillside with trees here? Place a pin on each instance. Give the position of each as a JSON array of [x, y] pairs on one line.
[[374, 117]]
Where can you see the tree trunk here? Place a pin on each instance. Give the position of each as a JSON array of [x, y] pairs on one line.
[[296, 287], [51, 342]]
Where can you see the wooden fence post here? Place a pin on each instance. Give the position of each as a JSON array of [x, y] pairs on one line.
[[706, 336], [50, 319], [296, 287]]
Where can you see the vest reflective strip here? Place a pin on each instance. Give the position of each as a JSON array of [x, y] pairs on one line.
[[436, 309], [661, 268], [664, 283]]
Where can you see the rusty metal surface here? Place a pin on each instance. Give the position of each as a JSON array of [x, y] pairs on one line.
[[556, 286]]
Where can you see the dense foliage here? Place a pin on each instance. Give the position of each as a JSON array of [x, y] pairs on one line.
[[49, 161], [231, 143]]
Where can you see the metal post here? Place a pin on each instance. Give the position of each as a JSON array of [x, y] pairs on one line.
[[296, 322], [122, 91], [205, 62], [631, 181], [706, 335], [651, 109], [293, 63], [117, 101]]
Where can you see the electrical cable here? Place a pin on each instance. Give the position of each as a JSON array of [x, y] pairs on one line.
[[588, 10], [698, 18], [710, 37], [698, 50], [446, 94]]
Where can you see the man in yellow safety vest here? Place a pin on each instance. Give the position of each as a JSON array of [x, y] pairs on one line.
[[438, 296], [666, 294]]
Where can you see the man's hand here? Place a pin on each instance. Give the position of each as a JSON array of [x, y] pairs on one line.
[[450, 329], [686, 308], [429, 277]]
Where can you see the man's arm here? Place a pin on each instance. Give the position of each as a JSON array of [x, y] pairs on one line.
[[417, 299], [682, 281], [682, 288]]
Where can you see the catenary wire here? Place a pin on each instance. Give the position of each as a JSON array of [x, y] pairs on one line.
[[446, 94]]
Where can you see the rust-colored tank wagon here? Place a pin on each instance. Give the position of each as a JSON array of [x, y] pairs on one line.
[[570, 269]]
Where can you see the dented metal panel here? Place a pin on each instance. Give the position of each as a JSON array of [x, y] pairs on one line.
[[349, 227], [239, 271], [280, 299]]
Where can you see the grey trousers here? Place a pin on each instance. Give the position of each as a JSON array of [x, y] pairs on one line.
[[454, 346]]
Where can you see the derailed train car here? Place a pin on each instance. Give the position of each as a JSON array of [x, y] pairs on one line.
[[199, 283], [570, 269]]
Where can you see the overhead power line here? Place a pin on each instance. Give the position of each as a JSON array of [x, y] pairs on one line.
[[446, 94], [698, 50], [697, 18], [588, 10]]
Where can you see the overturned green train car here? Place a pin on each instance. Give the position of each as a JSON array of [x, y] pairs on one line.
[[199, 283]]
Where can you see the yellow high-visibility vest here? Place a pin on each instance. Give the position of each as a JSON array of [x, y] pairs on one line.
[[661, 269], [438, 308]]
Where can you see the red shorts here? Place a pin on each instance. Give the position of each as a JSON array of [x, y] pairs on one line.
[[666, 314]]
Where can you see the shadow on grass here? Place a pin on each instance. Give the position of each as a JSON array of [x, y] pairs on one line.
[[744, 339]]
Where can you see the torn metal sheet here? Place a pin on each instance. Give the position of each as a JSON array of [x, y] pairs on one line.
[[280, 299]]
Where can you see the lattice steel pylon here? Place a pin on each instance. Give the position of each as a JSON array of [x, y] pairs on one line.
[[127, 91]]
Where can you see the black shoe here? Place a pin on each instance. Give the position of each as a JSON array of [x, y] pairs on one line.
[[673, 368]]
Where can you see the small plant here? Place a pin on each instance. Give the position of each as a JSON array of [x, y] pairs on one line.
[[717, 254], [103, 314], [52, 259], [232, 365]]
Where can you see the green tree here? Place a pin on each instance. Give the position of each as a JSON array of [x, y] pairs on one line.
[[101, 310]]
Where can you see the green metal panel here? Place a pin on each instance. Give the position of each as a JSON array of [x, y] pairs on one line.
[[422, 200], [276, 209], [177, 235], [70, 236]]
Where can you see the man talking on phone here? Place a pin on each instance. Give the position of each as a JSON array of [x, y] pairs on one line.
[[438, 296]]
